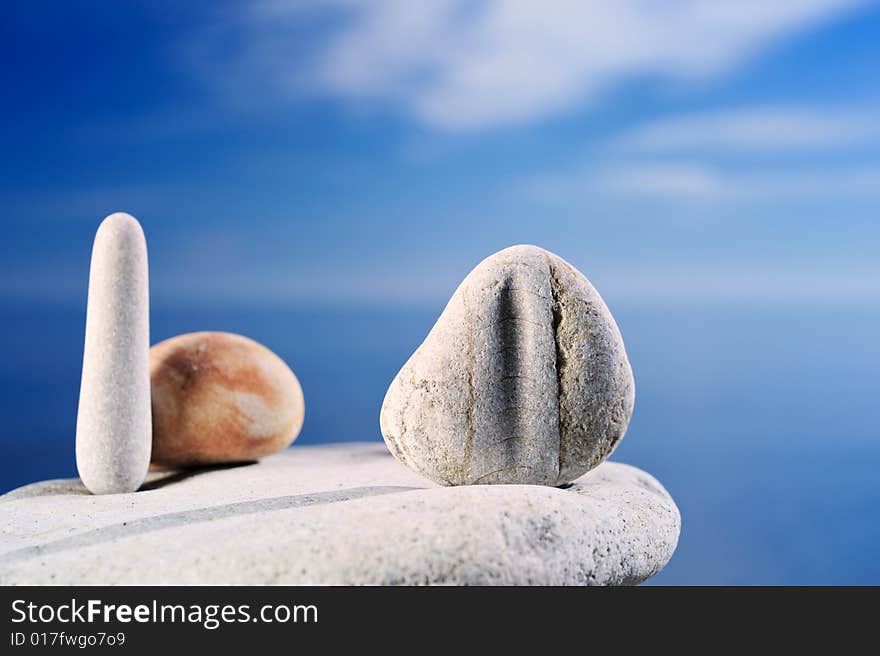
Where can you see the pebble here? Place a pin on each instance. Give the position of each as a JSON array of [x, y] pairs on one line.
[[523, 379], [113, 419], [220, 398]]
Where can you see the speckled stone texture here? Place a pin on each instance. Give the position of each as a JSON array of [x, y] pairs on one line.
[[113, 424], [523, 379], [341, 514]]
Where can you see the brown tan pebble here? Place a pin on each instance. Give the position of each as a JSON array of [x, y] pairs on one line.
[[218, 398]]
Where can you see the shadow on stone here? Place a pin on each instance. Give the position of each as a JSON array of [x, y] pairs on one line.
[[176, 476]]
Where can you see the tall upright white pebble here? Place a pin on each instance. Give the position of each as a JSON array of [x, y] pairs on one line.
[[113, 425]]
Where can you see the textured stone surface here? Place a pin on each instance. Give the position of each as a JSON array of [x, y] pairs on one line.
[[342, 514], [113, 420], [523, 379], [219, 397]]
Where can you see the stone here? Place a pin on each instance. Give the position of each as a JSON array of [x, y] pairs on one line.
[[219, 398], [340, 514], [523, 379], [113, 419]]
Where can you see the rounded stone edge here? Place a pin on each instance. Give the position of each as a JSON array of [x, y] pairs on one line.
[[391, 428]]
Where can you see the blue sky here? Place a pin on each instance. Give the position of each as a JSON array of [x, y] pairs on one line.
[[372, 152]]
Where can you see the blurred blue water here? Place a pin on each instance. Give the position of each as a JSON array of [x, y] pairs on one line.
[[761, 421]]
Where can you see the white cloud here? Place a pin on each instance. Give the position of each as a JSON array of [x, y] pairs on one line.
[[695, 181], [675, 180], [457, 65], [759, 129], [688, 158]]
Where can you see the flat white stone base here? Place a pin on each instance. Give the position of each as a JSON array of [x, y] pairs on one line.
[[339, 514]]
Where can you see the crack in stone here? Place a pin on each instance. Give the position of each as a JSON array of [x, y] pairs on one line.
[[469, 404], [501, 442], [559, 363], [501, 469]]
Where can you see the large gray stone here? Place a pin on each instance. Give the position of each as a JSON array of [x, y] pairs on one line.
[[113, 423], [343, 514], [523, 379]]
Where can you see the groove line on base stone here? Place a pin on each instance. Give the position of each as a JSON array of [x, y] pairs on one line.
[[158, 522]]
